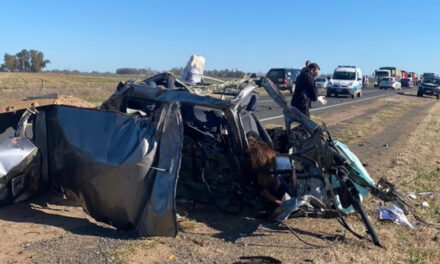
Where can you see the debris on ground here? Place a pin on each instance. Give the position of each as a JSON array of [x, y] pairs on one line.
[[412, 195], [395, 214], [425, 204]]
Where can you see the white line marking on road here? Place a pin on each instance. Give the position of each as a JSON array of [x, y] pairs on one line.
[[330, 106]]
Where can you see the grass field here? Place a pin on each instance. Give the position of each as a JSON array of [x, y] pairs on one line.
[[91, 87]]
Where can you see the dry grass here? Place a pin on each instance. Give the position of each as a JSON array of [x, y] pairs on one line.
[[95, 88], [123, 253], [60, 81], [414, 168], [374, 123]]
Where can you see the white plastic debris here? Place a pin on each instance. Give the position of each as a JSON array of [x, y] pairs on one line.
[[322, 100], [286, 197], [429, 194], [412, 195], [395, 214], [194, 69], [425, 204]]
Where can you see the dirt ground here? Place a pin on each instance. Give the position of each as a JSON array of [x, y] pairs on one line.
[[395, 137]]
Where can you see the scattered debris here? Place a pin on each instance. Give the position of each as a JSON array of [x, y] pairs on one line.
[[386, 145], [412, 195], [322, 100], [394, 214], [429, 194], [425, 204]]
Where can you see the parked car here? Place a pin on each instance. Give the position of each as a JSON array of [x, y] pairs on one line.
[[321, 82], [429, 86], [379, 75], [392, 83], [346, 80], [407, 83], [284, 78]]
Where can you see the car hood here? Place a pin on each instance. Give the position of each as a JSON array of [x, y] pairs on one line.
[[431, 85], [342, 82]]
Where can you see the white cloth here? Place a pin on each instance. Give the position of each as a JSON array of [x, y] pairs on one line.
[[194, 76], [322, 100]]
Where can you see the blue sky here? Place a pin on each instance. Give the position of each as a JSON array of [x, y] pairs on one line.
[[248, 35]]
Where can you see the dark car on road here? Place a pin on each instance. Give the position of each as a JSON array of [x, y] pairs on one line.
[[284, 78], [429, 86]]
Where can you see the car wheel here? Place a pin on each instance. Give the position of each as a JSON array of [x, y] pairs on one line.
[[328, 94], [419, 94], [438, 96]]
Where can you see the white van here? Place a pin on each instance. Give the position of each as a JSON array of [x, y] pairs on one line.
[[346, 80]]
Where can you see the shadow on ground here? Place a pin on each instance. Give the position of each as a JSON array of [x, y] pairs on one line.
[[232, 227], [414, 95], [36, 211]]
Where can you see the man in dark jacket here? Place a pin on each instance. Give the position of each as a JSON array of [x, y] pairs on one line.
[[305, 89]]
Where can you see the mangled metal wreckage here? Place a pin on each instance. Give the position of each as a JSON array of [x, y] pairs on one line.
[[153, 141]]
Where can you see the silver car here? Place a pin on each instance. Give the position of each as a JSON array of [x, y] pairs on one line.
[[389, 82], [321, 82]]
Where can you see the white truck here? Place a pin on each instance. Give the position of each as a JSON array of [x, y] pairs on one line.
[[346, 80], [379, 75]]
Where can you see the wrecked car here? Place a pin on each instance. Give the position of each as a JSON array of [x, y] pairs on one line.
[[127, 161]]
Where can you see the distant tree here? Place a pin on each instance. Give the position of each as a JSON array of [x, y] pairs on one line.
[[23, 59], [135, 71], [11, 62], [37, 62], [177, 71]]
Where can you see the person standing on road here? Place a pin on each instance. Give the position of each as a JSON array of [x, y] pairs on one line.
[[305, 68], [305, 90]]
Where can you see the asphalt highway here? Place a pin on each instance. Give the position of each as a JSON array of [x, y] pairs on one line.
[[269, 112]]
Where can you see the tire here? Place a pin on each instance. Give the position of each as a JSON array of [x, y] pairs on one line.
[[438, 96], [419, 94], [328, 94]]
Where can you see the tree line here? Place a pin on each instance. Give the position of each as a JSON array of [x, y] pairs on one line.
[[225, 73], [135, 71], [34, 61], [25, 61]]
